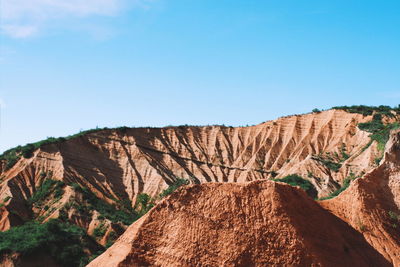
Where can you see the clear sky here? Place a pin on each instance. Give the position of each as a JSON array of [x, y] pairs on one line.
[[78, 64]]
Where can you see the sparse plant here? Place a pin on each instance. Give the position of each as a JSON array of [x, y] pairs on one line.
[[48, 186], [379, 131], [115, 213], [99, 231], [273, 174], [174, 186], [144, 203], [345, 185], [394, 216], [328, 162], [296, 180]]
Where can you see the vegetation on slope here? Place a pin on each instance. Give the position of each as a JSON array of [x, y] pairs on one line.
[[68, 244], [370, 110], [172, 188], [12, 155], [48, 187], [379, 131], [64, 242], [296, 180], [345, 185], [144, 202], [394, 219], [122, 212], [330, 164]]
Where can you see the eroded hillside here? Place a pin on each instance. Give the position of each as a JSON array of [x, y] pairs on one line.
[[265, 223], [260, 223], [103, 180]]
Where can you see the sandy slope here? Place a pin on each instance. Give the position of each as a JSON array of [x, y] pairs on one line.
[[260, 223]]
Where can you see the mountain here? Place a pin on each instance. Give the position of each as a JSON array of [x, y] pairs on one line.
[[105, 179]]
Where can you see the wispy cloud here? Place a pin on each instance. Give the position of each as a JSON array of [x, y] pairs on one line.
[[24, 18], [19, 31]]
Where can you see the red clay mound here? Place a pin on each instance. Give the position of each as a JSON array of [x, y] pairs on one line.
[[260, 223]]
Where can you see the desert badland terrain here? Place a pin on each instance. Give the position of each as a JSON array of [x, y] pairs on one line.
[[319, 189]]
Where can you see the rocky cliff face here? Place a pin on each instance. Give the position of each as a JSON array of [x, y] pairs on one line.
[[117, 165]]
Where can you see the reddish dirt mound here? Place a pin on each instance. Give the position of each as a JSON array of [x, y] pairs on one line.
[[259, 223]]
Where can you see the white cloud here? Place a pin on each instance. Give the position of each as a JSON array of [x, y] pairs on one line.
[[24, 18], [19, 31]]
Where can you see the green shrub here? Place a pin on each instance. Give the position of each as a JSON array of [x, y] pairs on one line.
[[273, 174], [372, 126], [296, 180], [343, 152], [394, 216], [345, 185], [48, 186], [175, 185], [121, 213], [380, 132], [65, 243], [111, 239], [328, 162], [11, 159], [368, 110], [99, 231], [145, 202], [378, 160]]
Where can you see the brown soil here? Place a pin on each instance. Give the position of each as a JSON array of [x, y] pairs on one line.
[[260, 223]]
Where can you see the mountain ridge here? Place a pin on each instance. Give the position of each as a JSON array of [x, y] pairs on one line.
[[106, 179]]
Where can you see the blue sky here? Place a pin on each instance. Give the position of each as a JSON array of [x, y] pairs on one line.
[[78, 64]]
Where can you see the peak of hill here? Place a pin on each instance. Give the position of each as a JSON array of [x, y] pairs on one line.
[[103, 180], [260, 223]]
